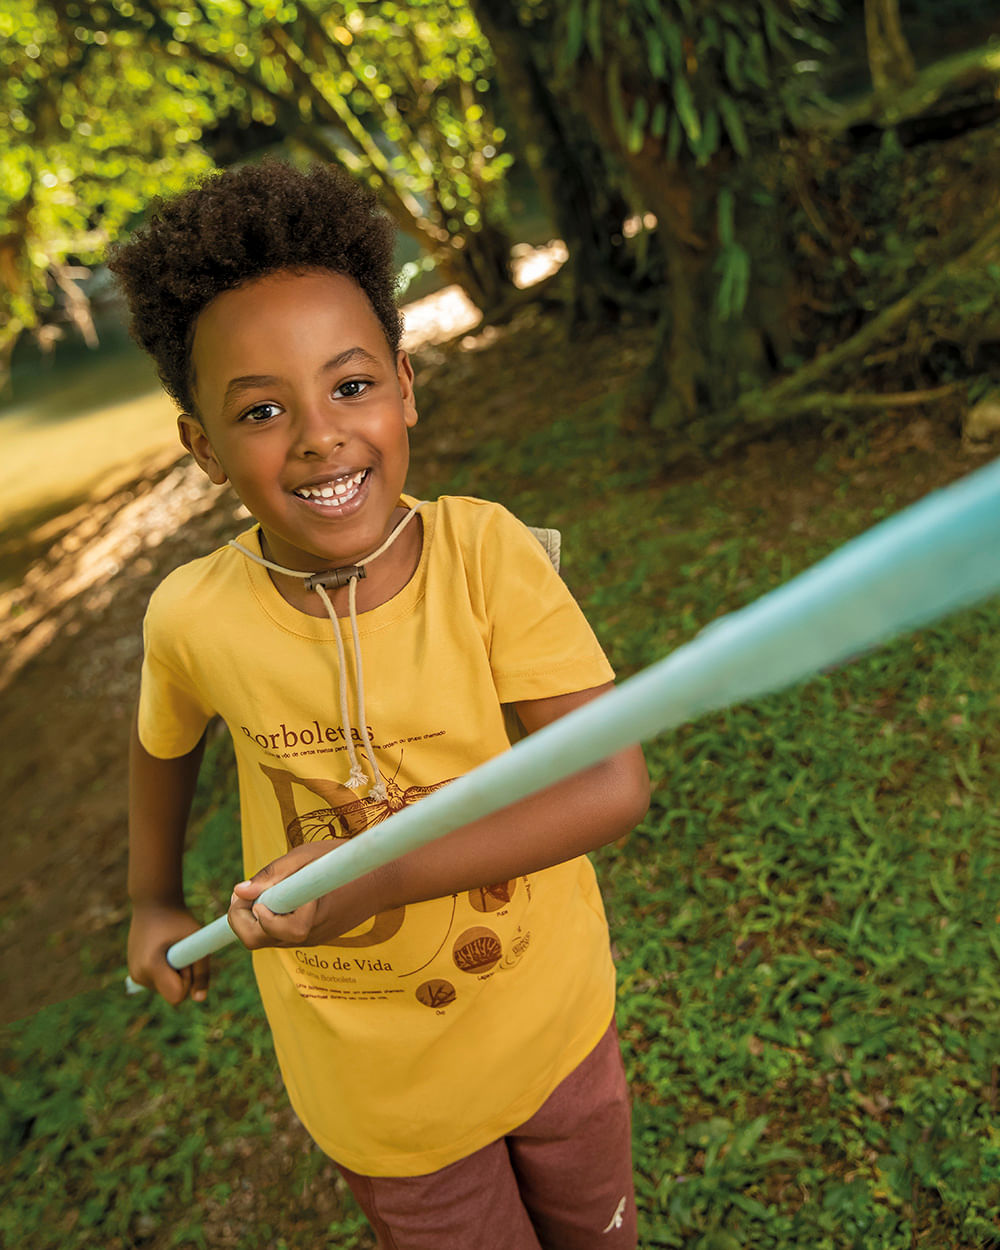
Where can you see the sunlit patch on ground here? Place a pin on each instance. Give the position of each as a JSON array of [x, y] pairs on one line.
[[442, 316]]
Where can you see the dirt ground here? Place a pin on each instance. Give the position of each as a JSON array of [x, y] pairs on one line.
[[71, 627]]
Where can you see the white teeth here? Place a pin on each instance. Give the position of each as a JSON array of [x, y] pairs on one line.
[[345, 486]]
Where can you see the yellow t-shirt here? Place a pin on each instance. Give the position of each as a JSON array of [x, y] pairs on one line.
[[431, 1030]]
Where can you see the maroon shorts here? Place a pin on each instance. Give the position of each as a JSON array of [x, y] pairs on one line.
[[562, 1181]]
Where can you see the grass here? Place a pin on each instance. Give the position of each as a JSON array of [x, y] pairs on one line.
[[805, 926], [81, 429]]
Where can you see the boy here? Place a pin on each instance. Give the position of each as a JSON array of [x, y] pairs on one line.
[[444, 1025]]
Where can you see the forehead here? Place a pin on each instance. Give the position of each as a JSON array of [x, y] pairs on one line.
[[282, 313]]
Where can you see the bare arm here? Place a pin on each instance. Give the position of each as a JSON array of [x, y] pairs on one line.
[[570, 818], [160, 794]]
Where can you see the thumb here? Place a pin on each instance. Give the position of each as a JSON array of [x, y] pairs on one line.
[[258, 883], [278, 869]]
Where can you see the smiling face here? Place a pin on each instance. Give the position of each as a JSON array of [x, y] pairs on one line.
[[305, 410]]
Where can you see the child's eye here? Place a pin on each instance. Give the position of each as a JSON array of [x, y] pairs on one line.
[[351, 389], [259, 412]]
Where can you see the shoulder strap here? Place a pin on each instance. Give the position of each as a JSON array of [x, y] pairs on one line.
[[551, 540]]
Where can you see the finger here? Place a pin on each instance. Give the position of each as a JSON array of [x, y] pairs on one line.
[[239, 901], [270, 874], [288, 929], [245, 925], [169, 984], [267, 875], [278, 869], [139, 980], [199, 980], [249, 890]]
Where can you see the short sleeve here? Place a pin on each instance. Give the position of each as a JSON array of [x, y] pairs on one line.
[[172, 714], [541, 644]]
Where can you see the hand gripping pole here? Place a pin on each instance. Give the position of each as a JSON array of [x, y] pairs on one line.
[[941, 554]]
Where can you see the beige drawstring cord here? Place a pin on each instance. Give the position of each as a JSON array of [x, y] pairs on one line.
[[349, 574]]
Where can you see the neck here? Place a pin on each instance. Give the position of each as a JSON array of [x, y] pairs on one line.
[[381, 573]]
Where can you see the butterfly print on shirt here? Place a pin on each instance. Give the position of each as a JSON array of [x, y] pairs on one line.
[[349, 819]]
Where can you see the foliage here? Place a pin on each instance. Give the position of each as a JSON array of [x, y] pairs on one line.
[[712, 129], [805, 925], [107, 105], [398, 94], [902, 283], [685, 117], [94, 128], [695, 105], [689, 80]]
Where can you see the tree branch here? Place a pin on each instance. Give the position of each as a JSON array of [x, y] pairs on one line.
[[339, 112], [774, 405], [859, 344]]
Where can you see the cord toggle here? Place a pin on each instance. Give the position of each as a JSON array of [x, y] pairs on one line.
[[335, 577]]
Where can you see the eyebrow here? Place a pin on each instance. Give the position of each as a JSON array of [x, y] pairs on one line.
[[250, 381]]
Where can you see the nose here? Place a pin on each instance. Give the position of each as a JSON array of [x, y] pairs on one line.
[[319, 431]]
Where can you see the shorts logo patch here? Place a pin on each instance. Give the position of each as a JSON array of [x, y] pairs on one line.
[[618, 1219]]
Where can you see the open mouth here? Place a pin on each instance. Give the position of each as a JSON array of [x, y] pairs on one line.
[[336, 493]]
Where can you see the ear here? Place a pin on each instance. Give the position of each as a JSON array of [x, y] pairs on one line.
[[404, 375], [193, 436]]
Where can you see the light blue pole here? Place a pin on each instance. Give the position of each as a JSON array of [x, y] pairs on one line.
[[941, 554]]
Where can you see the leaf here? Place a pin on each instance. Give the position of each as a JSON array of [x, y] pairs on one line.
[[573, 44], [733, 121], [756, 62], [756, 1210], [750, 1134], [674, 138], [734, 283], [718, 1240], [684, 103], [658, 123], [637, 129], [732, 58], [616, 102], [656, 56], [594, 40], [772, 26], [724, 217], [675, 47], [709, 144]]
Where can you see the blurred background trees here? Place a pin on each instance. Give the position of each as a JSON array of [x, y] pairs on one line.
[[94, 126], [762, 181], [396, 93], [680, 99]]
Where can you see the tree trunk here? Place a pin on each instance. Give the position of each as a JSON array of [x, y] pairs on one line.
[[480, 263], [567, 164], [701, 362]]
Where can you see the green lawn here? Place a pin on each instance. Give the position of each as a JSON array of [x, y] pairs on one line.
[[88, 427], [805, 925]]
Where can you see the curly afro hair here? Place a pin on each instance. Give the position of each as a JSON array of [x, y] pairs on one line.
[[239, 225]]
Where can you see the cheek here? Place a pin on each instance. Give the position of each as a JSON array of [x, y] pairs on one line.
[[252, 458]]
